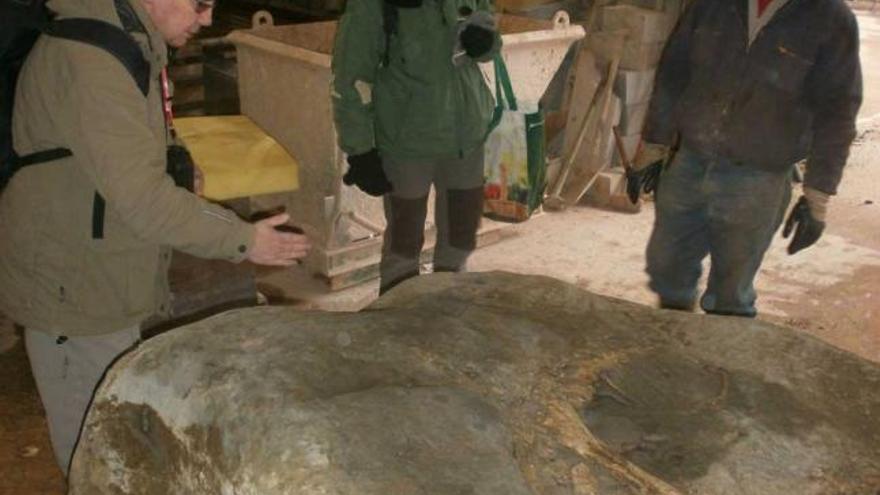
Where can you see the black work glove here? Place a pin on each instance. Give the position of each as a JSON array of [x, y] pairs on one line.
[[807, 230], [365, 171], [643, 181], [477, 40]]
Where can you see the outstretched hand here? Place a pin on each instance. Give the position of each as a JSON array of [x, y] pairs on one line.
[[275, 247]]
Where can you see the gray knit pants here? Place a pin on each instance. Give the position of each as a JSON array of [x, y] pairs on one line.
[[67, 371], [458, 185]]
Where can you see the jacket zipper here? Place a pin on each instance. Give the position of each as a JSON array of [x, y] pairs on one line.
[[459, 118]]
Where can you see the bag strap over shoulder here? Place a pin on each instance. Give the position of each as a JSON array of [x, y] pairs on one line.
[[109, 38], [118, 43]]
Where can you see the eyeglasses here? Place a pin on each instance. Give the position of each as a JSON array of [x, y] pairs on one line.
[[202, 6]]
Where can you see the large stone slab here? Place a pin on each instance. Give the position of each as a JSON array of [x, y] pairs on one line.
[[483, 384]]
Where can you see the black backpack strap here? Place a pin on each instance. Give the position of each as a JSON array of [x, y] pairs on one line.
[[122, 46], [129, 19], [14, 163], [41, 157], [107, 37], [110, 38], [390, 19], [125, 49]]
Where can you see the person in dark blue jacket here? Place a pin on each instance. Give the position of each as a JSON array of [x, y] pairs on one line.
[[745, 90]]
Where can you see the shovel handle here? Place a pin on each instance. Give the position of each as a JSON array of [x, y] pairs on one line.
[[624, 160]]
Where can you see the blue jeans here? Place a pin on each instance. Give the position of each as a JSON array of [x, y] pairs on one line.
[[710, 206]]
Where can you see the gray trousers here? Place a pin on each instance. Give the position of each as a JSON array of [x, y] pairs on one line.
[[458, 185], [67, 371]]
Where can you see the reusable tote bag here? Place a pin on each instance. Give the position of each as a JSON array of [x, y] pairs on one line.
[[515, 169]]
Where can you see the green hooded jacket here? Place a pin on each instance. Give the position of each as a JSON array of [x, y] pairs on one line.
[[421, 105], [53, 275]]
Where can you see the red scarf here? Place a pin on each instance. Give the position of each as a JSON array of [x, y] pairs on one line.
[[762, 6]]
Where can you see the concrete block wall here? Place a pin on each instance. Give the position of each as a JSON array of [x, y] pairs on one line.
[[647, 24], [632, 118], [635, 86], [643, 25]]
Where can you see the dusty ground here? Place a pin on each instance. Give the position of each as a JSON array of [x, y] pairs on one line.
[[831, 291]]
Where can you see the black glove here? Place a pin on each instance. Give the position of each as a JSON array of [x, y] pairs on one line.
[[643, 181], [808, 229], [365, 171], [477, 40]]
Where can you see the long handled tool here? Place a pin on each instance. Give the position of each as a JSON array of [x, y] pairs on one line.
[[618, 199], [554, 200], [624, 160]]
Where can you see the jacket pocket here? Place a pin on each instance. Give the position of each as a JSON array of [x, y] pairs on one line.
[[786, 71], [117, 236], [53, 274], [707, 43], [113, 285], [391, 107]]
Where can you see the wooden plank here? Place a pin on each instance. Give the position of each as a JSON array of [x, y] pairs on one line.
[[585, 84], [186, 95], [188, 50], [587, 80], [591, 158], [587, 157], [185, 73]]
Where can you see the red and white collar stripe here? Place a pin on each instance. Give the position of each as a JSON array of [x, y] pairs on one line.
[[760, 13]]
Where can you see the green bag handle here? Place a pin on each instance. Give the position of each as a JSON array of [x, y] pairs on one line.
[[503, 92], [502, 81]]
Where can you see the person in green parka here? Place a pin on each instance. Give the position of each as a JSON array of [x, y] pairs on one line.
[[412, 109]]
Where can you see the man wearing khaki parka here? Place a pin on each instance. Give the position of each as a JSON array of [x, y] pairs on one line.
[[81, 297]]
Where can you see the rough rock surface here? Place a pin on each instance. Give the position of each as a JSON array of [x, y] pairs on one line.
[[483, 384]]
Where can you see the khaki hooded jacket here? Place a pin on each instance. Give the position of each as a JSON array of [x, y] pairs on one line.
[[53, 274]]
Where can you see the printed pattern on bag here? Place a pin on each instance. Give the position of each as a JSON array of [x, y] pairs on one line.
[[515, 168]]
